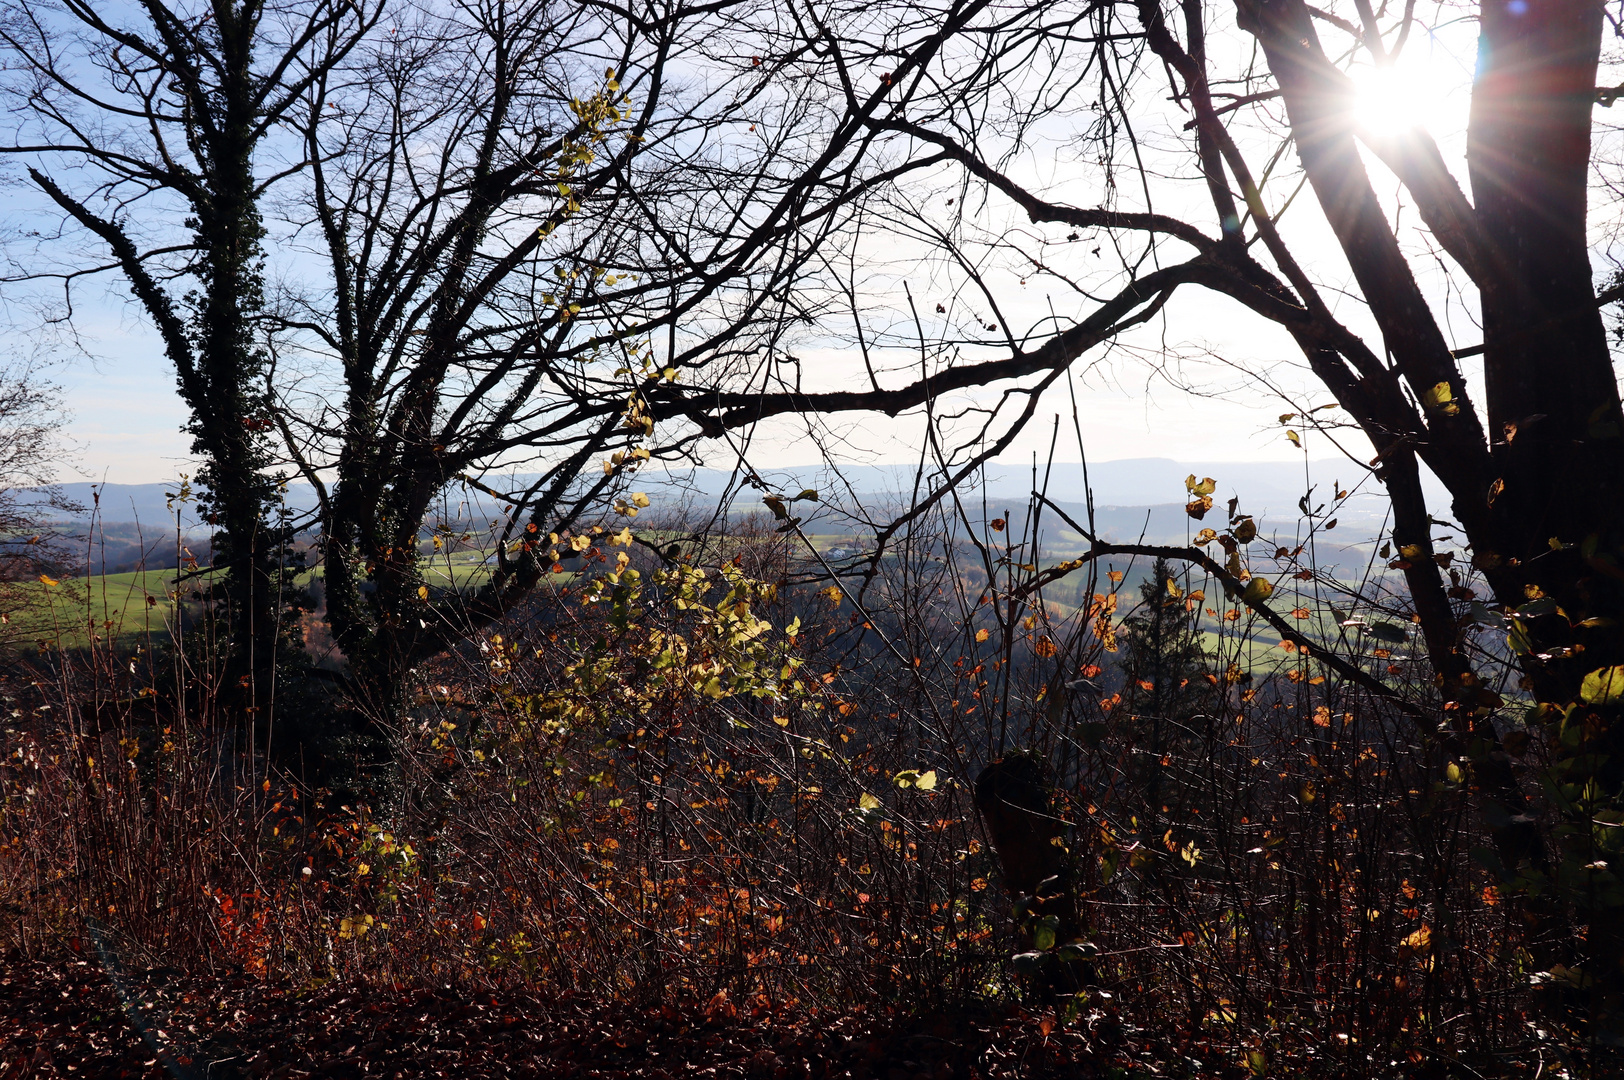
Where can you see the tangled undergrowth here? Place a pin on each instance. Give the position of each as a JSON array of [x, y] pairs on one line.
[[674, 819]]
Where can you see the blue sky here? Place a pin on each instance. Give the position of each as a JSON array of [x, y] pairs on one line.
[[127, 419]]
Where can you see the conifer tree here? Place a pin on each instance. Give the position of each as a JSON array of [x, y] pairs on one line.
[[1162, 653], [1162, 658]]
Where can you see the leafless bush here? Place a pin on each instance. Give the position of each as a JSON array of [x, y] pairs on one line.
[[754, 786]]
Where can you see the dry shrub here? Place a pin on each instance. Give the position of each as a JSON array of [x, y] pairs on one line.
[[667, 784], [639, 795], [653, 792]]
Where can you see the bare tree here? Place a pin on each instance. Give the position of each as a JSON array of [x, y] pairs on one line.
[[577, 238], [463, 198], [154, 132], [31, 421], [1260, 118], [549, 246], [555, 235]]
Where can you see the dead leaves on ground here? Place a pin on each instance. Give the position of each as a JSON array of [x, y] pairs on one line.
[[65, 1020]]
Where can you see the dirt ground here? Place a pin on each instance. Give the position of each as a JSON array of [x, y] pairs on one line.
[[73, 1019]]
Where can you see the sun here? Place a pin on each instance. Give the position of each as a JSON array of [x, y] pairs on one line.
[[1388, 100], [1414, 92]]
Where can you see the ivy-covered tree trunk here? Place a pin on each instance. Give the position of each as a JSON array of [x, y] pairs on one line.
[[222, 377], [151, 144]]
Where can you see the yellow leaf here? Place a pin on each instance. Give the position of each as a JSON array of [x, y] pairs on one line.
[[1440, 399], [1205, 486], [422, 592], [1257, 590], [48, 580], [981, 635], [1604, 686], [1419, 941], [355, 926], [1295, 440], [926, 781], [868, 802]]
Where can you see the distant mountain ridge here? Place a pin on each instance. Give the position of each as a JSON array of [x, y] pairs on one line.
[[1262, 488], [1271, 488], [148, 504]]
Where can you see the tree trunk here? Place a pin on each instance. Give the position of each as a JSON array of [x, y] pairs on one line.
[[1554, 503], [1014, 795], [1536, 481], [1555, 510]]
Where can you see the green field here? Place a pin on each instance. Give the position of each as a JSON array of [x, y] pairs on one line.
[[137, 607], [74, 613], [460, 570]]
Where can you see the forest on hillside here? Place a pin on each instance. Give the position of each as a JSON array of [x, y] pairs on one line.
[[639, 603]]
